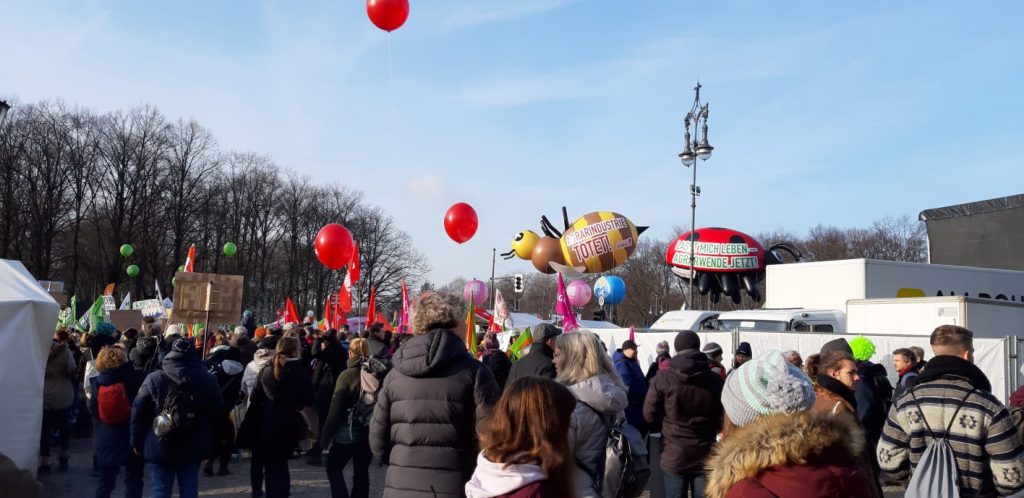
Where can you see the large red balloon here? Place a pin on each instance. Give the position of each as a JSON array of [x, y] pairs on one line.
[[388, 15], [460, 222], [334, 246]]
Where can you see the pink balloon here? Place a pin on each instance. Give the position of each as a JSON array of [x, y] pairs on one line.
[[478, 291], [579, 293]]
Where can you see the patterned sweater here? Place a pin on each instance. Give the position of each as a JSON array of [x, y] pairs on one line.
[[990, 458]]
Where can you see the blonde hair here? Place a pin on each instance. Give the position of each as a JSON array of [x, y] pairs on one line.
[[436, 311], [357, 348], [583, 356], [111, 358]]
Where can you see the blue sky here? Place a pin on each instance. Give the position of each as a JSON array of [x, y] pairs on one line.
[[821, 112]]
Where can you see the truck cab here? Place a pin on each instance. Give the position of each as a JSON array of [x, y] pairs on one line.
[[677, 321], [782, 320]]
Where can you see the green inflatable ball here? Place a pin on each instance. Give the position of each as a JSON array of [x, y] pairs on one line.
[[127, 250], [173, 282], [133, 270], [181, 268], [230, 249]]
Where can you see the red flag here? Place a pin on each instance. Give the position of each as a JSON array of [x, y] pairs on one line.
[[352, 276], [344, 299], [190, 260], [403, 323], [632, 334], [329, 313], [290, 315], [383, 319], [371, 309]]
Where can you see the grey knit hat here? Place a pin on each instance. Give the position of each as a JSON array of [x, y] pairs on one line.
[[766, 385]]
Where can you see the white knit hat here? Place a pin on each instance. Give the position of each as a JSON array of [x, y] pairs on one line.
[[766, 385]]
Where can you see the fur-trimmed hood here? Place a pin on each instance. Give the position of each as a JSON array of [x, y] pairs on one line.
[[813, 452]]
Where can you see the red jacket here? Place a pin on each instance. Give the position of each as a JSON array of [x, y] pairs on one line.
[[800, 455]]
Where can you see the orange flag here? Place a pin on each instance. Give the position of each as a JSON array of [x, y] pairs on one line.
[[290, 315], [190, 260], [371, 310]]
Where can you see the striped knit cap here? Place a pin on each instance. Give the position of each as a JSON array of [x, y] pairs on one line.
[[766, 385]]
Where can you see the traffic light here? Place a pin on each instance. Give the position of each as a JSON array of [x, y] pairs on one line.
[[599, 315], [517, 284]]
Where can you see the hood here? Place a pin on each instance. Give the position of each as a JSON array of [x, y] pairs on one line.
[[779, 441], [690, 363], [868, 369], [601, 393], [425, 354], [219, 350], [494, 479], [57, 350], [231, 367], [239, 341], [262, 354], [944, 365], [119, 374], [146, 346], [182, 366]]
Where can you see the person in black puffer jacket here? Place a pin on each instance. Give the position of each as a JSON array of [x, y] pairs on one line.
[[540, 361], [224, 365], [431, 404], [496, 360]]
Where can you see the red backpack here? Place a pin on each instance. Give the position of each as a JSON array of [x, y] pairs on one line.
[[114, 406]]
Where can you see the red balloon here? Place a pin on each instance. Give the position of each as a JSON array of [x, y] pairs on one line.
[[460, 222], [334, 246], [388, 15]]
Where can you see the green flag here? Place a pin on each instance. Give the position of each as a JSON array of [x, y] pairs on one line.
[[66, 317], [93, 316], [515, 350]]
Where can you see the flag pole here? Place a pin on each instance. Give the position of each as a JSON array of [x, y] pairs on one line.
[[206, 328], [494, 295]]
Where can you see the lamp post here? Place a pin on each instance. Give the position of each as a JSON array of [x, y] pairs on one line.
[[697, 147], [4, 107]]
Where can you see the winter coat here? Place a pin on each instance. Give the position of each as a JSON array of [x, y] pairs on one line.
[[685, 401], [175, 368], [588, 433], [260, 360], [144, 355], [1017, 398], [500, 366], [280, 401], [339, 427], [496, 480], [59, 380], [636, 388], [246, 348], [111, 442], [660, 363], [718, 368], [874, 397], [377, 347], [540, 361], [427, 415], [223, 363], [249, 322], [833, 398], [801, 455], [986, 443]]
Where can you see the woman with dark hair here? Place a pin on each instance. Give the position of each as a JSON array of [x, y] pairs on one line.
[[526, 456], [58, 396], [282, 404]]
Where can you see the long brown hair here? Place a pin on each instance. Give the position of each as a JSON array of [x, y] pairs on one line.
[[530, 425], [287, 347]]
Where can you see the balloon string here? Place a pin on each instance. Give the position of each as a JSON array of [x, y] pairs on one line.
[[391, 80]]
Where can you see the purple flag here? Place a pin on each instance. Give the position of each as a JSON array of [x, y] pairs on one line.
[[564, 308], [403, 324]]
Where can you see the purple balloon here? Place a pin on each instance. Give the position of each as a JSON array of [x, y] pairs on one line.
[[579, 293], [478, 290]]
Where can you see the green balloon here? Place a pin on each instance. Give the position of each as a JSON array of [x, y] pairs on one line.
[[132, 270], [230, 249], [181, 268], [173, 282], [127, 250]]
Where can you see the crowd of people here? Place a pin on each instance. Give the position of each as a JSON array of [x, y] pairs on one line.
[[448, 424]]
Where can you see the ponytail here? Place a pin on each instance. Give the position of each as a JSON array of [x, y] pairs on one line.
[[287, 348]]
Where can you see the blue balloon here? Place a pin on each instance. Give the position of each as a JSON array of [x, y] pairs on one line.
[[610, 288]]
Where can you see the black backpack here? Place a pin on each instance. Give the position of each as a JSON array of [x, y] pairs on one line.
[[626, 469], [178, 415]]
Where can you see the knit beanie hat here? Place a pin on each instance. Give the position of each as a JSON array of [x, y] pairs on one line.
[[836, 345], [711, 349], [766, 385], [863, 348], [687, 339], [662, 348]]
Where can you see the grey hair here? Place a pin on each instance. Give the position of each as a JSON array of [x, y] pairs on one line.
[[584, 356], [173, 329], [436, 311], [241, 331]]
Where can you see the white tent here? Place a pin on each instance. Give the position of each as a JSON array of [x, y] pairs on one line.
[[27, 318]]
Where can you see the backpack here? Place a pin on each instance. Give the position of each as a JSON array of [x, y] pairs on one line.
[[178, 415], [626, 469], [936, 472], [371, 377], [114, 405]]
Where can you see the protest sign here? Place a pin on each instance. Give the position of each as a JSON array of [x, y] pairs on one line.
[[191, 300]]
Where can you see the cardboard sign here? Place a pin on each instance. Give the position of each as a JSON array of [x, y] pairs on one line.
[[191, 301], [109, 304], [126, 319], [150, 307]]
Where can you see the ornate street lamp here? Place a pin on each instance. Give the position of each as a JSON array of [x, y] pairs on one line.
[[4, 107], [693, 149]]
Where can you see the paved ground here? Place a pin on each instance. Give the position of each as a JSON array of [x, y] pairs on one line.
[[307, 481]]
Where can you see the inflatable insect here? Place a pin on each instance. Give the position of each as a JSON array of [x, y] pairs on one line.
[[596, 242], [725, 261]]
